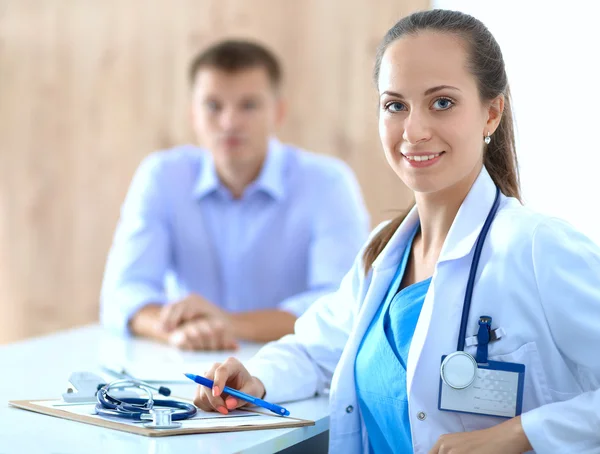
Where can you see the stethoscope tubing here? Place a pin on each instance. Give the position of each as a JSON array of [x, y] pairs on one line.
[[136, 408], [473, 272]]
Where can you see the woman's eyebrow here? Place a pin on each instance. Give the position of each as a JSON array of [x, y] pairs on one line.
[[391, 93], [428, 92], [431, 90]]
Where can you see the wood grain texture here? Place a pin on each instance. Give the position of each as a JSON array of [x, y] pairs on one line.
[[88, 88]]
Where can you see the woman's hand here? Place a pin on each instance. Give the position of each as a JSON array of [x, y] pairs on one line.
[[231, 373], [506, 438]]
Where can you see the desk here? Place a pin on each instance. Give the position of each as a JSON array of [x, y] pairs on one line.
[[54, 357]]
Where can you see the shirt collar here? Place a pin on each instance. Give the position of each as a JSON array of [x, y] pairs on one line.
[[270, 179], [207, 181]]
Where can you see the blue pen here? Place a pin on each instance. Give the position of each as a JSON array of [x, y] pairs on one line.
[[240, 395]]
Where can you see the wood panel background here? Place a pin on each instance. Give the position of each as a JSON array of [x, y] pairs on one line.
[[88, 88]]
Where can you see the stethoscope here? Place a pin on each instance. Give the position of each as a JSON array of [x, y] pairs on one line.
[[139, 409], [459, 369]]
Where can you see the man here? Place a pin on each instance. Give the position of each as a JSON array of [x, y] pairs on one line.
[[246, 232]]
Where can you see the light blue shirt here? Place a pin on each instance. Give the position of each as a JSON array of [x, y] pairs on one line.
[[380, 367], [287, 241]]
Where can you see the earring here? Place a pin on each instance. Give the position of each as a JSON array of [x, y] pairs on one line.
[[487, 139]]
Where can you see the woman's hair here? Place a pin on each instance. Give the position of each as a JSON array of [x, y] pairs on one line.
[[485, 63]]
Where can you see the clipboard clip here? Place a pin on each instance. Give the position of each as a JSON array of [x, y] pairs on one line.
[[83, 386]]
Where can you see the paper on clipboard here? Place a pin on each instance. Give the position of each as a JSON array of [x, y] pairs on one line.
[[202, 423], [89, 410]]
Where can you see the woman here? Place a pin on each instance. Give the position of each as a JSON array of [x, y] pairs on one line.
[[446, 127]]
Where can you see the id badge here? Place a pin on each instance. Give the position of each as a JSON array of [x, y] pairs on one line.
[[497, 390]]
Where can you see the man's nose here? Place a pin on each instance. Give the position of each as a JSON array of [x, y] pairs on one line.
[[230, 119]]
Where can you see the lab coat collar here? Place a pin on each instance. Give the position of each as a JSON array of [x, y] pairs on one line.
[[464, 230], [470, 218]]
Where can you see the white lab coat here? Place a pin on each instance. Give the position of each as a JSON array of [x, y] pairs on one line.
[[538, 278]]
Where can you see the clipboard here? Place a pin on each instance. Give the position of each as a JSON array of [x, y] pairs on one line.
[[215, 425]]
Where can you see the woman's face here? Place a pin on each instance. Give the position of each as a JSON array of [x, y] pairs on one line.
[[432, 122]]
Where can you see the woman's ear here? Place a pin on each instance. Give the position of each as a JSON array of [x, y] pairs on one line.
[[495, 110]]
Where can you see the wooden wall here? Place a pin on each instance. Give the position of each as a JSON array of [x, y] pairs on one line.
[[88, 88]]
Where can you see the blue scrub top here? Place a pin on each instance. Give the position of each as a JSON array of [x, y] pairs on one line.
[[380, 369]]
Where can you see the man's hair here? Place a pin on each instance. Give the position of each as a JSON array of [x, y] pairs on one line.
[[237, 55]]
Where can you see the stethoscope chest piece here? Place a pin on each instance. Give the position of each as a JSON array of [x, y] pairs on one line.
[[458, 370], [161, 419]]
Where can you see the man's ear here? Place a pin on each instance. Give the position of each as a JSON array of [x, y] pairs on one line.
[[281, 111], [191, 113]]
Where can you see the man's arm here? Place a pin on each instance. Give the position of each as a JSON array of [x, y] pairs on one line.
[[262, 326], [174, 323], [139, 256]]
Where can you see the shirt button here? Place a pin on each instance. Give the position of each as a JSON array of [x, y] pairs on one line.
[[349, 409], [421, 416]]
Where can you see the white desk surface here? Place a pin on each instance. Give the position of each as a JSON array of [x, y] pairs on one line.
[[40, 369]]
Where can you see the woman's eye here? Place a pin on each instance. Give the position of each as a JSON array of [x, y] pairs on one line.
[[395, 107], [443, 104]]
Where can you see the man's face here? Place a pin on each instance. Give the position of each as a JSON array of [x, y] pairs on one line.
[[234, 114]]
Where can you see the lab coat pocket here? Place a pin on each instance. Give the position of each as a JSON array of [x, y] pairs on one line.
[[558, 396], [535, 391]]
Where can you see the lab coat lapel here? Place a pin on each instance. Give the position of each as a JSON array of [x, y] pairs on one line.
[[378, 282], [384, 269], [447, 288]]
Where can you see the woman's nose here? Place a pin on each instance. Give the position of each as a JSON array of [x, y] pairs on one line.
[[416, 128]]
